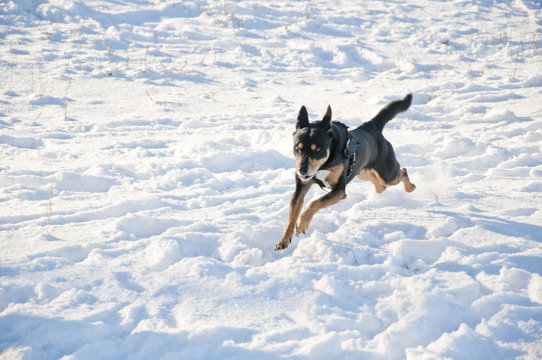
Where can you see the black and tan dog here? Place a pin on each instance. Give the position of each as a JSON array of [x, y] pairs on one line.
[[330, 155]]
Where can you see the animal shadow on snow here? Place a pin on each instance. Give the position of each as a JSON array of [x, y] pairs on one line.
[[497, 225], [48, 338], [502, 227]]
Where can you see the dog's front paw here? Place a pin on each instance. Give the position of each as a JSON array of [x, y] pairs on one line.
[[303, 223], [283, 244]]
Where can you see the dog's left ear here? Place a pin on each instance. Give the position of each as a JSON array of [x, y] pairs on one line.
[[326, 120]]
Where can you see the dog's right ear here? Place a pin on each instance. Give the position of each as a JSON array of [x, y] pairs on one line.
[[326, 121], [302, 118]]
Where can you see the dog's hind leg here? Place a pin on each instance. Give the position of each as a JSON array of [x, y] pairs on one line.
[[409, 187], [372, 176], [402, 176]]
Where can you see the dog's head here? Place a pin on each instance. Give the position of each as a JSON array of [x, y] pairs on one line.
[[312, 143]]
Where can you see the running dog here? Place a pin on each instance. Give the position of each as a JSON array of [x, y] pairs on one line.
[[330, 155]]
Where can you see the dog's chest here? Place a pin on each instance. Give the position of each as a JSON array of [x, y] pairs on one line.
[[322, 175], [331, 176]]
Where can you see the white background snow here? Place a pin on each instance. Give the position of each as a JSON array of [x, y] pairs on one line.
[[146, 168]]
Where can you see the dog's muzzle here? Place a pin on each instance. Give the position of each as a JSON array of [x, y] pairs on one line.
[[304, 171], [304, 177]]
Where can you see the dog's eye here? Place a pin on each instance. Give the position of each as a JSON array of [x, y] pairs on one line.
[[296, 148], [317, 149]]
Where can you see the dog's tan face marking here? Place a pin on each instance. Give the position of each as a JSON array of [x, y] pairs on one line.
[[313, 147], [300, 145], [315, 164]]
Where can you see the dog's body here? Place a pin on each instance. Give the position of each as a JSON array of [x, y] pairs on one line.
[[329, 155]]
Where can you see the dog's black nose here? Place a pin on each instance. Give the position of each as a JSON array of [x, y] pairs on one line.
[[304, 168]]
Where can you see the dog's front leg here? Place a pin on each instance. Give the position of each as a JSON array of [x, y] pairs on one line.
[[296, 204], [337, 194]]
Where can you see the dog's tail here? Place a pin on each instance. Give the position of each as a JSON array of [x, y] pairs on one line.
[[390, 110]]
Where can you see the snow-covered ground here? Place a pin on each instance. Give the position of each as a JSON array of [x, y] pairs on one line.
[[146, 170]]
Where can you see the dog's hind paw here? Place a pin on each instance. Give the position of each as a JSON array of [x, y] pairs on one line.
[[409, 187]]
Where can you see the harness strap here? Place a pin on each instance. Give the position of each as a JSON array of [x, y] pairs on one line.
[[350, 153]]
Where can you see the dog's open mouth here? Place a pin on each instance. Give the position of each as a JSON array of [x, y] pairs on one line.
[[305, 177]]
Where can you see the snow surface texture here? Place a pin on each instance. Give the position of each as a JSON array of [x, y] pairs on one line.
[[146, 170]]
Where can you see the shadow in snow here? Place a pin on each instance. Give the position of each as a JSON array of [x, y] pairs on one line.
[[498, 225], [46, 338]]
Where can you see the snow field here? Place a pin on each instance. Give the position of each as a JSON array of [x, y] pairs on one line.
[[146, 172]]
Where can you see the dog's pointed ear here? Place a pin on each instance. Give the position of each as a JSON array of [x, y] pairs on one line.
[[326, 120], [302, 118]]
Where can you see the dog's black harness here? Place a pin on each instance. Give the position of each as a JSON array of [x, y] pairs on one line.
[[348, 153]]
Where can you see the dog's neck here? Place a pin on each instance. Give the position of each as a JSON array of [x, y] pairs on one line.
[[338, 143]]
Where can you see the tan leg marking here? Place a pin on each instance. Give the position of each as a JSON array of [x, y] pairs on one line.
[[296, 204], [372, 176], [327, 200], [409, 187], [402, 176]]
